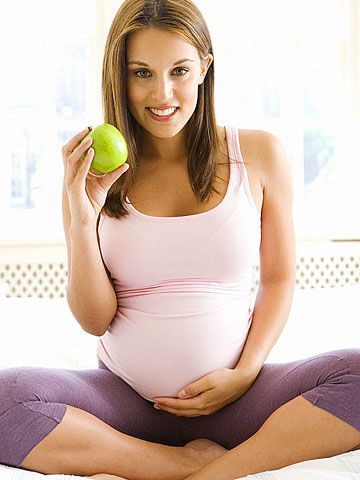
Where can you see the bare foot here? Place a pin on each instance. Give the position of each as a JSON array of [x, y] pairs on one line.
[[206, 450], [196, 455]]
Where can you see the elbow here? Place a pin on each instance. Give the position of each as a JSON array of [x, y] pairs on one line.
[[284, 276], [96, 332], [95, 328], [91, 323], [284, 282]]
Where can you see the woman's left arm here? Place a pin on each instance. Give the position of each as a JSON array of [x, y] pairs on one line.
[[277, 257]]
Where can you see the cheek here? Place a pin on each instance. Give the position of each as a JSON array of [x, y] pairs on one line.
[[186, 90], [190, 92], [134, 93]]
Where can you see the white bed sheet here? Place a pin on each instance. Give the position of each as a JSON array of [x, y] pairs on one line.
[[340, 467], [10, 473]]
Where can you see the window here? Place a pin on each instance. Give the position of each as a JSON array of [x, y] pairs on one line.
[[292, 68], [47, 96]]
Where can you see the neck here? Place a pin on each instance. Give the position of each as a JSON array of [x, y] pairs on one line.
[[164, 151]]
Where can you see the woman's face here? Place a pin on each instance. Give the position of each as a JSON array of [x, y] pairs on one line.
[[163, 81]]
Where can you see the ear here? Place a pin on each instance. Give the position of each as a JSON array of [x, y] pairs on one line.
[[204, 70]]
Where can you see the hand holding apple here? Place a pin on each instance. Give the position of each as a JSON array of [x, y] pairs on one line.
[[86, 192], [110, 149]]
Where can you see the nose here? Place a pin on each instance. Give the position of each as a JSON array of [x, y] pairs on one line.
[[162, 89]]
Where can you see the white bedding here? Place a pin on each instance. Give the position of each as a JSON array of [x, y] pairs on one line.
[[9, 473], [340, 467], [43, 332]]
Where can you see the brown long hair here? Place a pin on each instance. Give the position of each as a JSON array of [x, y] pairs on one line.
[[202, 138]]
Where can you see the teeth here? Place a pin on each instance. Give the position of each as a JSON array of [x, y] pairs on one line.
[[163, 113]]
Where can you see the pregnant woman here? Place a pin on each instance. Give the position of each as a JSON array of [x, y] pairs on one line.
[[160, 261]]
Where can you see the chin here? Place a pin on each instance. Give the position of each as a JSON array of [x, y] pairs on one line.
[[164, 131], [169, 134]]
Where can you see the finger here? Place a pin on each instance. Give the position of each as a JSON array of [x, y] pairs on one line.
[[78, 160], [178, 404], [85, 162], [182, 413], [75, 140], [96, 175], [81, 148], [175, 401], [111, 177]]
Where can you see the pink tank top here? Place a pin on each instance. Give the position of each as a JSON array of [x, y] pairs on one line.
[[184, 287]]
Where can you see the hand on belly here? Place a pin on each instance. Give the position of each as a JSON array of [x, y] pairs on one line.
[[206, 395]]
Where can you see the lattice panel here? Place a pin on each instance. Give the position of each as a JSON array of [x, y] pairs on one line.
[[50, 279], [333, 271], [47, 280], [324, 271]]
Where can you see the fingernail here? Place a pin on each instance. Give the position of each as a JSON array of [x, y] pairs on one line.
[[157, 408]]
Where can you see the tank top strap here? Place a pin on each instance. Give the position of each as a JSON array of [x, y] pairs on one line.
[[234, 150]]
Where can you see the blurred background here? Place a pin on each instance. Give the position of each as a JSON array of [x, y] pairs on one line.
[[288, 67]]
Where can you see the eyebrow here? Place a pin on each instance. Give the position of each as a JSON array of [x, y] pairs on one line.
[[146, 65]]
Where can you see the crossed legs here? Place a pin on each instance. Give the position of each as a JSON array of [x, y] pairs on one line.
[[293, 412]]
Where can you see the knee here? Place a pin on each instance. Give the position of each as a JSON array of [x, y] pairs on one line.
[[348, 362], [351, 357], [17, 385], [24, 415], [8, 380]]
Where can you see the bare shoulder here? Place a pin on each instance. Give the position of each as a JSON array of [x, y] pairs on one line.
[[264, 154]]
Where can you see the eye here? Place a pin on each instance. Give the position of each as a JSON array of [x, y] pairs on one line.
[[138, 73], [181, 69]]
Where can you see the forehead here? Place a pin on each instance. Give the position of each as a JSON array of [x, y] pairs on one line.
[[152, 46]]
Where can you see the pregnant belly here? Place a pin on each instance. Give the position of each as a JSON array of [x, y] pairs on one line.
[[158, 355]]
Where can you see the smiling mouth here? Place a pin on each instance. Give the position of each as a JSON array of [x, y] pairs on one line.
[[154, 109], [162, 117]]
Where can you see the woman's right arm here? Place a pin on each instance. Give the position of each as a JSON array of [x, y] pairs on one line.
[[90, 293]]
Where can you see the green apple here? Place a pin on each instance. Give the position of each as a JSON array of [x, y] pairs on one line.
[[110, 149]]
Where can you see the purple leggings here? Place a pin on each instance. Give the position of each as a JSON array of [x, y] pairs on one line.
[[33, 402]]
